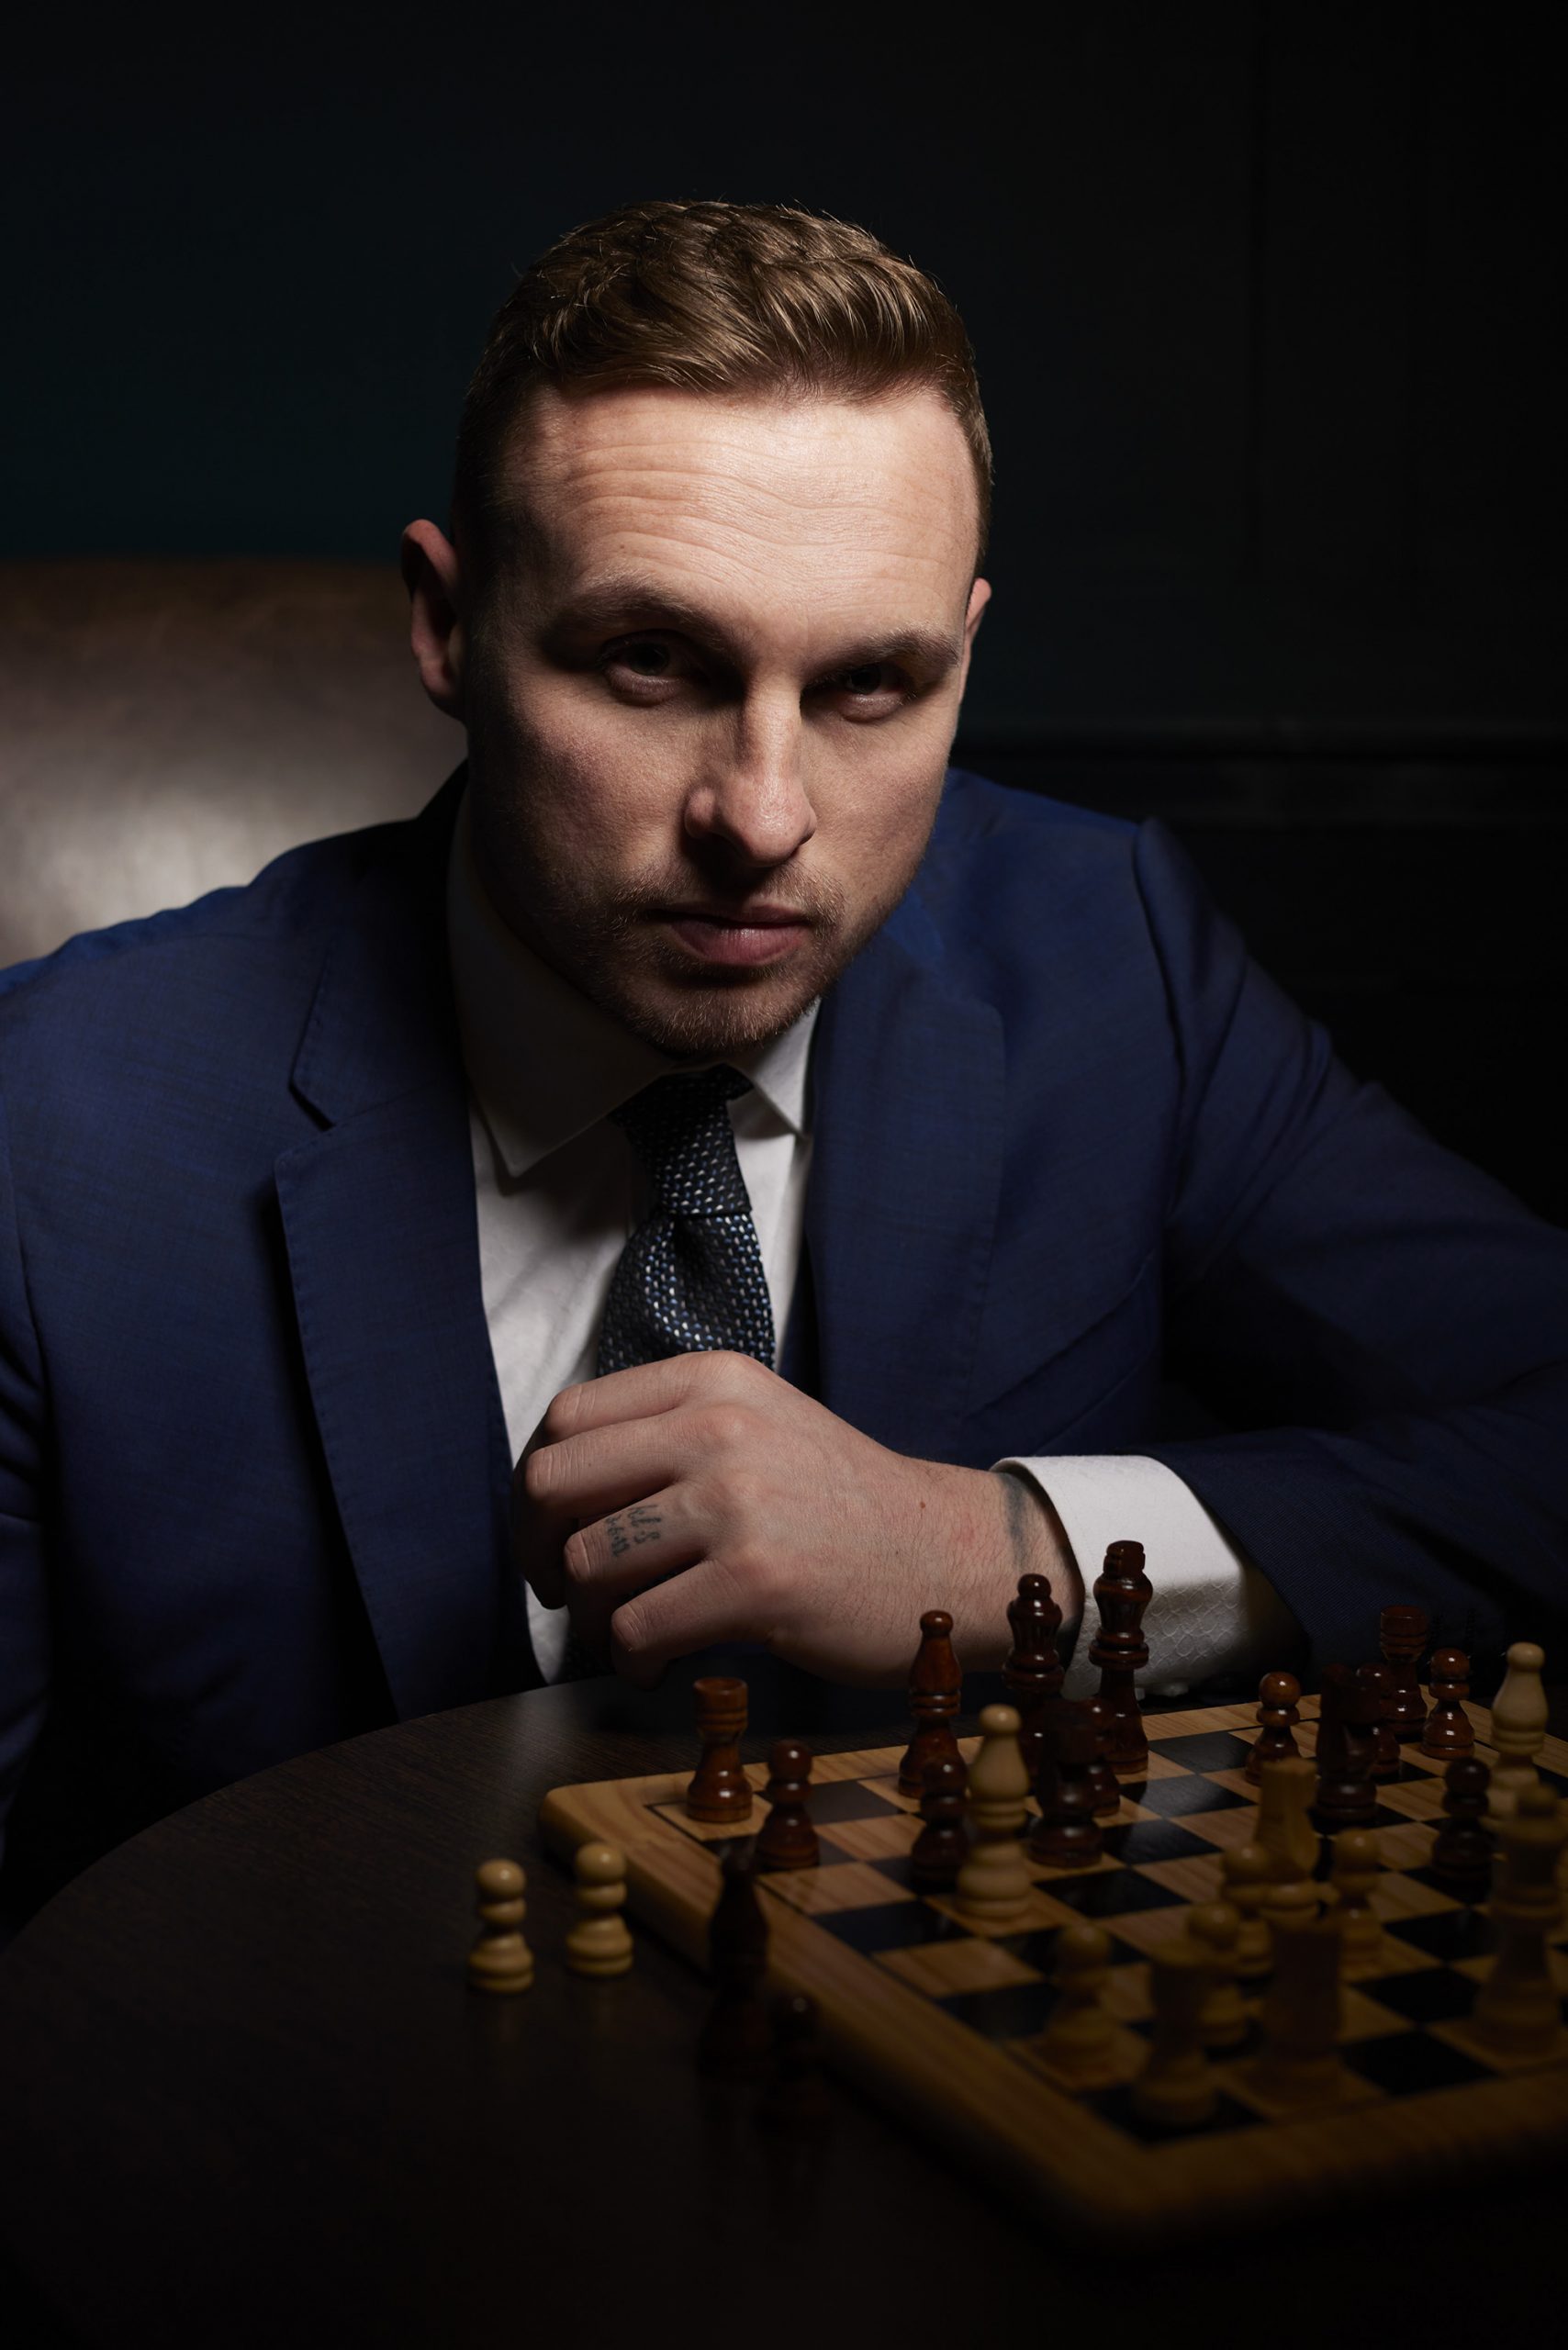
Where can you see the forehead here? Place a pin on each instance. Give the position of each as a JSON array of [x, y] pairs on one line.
[[815, 496]]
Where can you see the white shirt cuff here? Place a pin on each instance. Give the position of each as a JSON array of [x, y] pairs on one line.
[[1212, 1612]]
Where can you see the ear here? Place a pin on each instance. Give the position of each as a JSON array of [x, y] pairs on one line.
[[432, 575], [980, 597]]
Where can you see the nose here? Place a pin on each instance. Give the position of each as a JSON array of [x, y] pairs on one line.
[[752, 792]]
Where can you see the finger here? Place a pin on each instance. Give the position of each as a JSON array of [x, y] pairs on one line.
[[564, 1486], [610, 1561], [587, 1477], [648, 1389], [710, 1601]]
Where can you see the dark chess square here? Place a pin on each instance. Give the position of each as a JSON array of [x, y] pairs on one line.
[[1206, 1749], [1406, 2063], [1154, 1840], [1111, 1893]]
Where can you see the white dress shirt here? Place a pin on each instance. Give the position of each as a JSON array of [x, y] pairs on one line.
[[559, 1191]]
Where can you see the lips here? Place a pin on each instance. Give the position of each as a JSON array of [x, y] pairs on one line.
[[759, 935]]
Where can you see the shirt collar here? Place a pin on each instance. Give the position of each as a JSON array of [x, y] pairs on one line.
[[544, 1063]]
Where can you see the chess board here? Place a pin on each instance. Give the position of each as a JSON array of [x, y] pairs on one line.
[[941, 2018]]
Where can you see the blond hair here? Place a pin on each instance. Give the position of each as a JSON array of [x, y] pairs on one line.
[[719, 297]]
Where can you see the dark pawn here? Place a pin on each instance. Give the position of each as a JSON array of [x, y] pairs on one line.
[[1385, 1762], [1033, 1673], [1122, 1592], [1102, 1778], [1448, 1730], [935, 1685], [1067, 1834], [796, 2096], [721, 1792], [1278, 1712], [1464, 1845], [736, 2038], [1347, 1797], [942, 1846], [1403, 1638], [787, 1839]]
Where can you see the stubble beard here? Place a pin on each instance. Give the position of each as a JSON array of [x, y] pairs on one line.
[[620, 958]]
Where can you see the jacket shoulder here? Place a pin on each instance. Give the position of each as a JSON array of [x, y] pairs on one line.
[[293, 902]]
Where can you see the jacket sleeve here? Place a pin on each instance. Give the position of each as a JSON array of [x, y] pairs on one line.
[[1384, 1329], [24, 1619]]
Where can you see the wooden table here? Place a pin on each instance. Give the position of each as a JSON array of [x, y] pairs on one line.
[[246, 2099]]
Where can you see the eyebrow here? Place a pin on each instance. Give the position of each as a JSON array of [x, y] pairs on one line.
[[627, 600]]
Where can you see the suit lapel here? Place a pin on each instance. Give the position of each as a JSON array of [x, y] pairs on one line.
[[908, 1116], [378, 1217]]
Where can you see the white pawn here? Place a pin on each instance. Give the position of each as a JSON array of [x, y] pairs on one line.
[[1356, 1868], [600, 1944], [1176, 2087], [1079, 2043], [1215, 1927], [994, 1882], [1518, 2009], [1518, 1728], [1244, 1868], [501, 1960]]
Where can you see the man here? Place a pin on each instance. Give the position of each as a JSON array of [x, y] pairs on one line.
[[804, 1169]]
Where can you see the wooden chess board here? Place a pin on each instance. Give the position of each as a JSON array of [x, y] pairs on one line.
[[940, 2019]]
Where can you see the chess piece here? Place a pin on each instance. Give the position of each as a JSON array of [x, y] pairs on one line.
[[736, 2038], [1299, 2062], [600, 1942], [942, 1844], [1285, 1830], [796, 2097], [935, 1685], [994, 1883], [1464, 1847], [1356, 1868], [1346, 1796], [1385, 1762], [1122, 1592], [787, 1839], [1401, 1638], [501, 1960], [1518, 1726], [720, 1793], [1176, 2087], [1285, 1791], [1032, 1676], [1067, 1834], [1215, 1927], [1448, 1730], [1244, 1870], [1279, 1710], [1102, 1778], [1079, 2042], [1518, 2009]]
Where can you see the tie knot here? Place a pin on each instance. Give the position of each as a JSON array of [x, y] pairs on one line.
[[679, 1128]]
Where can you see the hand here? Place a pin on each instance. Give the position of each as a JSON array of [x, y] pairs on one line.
[[703, 1499]]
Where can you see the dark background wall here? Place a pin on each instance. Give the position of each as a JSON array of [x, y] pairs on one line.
[[1268, 297]]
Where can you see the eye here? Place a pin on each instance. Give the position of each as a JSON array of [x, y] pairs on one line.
[[871, 690], [639, 666], [648, 659]]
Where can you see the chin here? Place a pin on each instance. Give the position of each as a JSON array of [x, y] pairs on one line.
[[696, 1021]]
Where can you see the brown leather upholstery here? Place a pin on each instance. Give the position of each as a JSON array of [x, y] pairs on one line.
[[166, 727]]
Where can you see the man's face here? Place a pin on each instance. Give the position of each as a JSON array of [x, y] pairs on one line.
[[710, 691]]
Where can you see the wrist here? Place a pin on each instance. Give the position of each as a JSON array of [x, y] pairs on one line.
[[1036, 1543]]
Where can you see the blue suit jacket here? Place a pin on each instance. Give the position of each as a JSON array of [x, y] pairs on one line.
[[1069, 1143]]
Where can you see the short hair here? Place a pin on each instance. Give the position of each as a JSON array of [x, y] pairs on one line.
[[721, 297]]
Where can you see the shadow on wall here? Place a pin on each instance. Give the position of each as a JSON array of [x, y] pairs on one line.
[[166, 728]]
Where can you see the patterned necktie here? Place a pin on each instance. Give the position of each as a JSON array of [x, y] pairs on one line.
[[690, 1277]]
